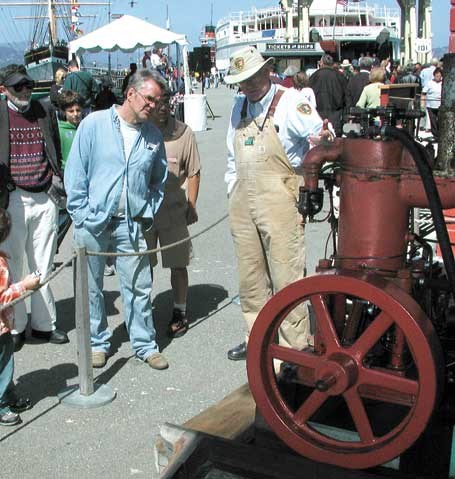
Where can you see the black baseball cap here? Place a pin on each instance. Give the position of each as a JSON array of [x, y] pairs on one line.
[[13, 75]]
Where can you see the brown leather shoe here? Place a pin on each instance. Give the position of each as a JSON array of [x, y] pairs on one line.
[[157, 361]]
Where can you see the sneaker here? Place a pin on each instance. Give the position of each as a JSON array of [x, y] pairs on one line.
[[157, 361], [99, 359], [109, 270], [9, 418], [178, 325]]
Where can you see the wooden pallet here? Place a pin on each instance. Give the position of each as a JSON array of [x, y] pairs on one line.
[[227, 440]]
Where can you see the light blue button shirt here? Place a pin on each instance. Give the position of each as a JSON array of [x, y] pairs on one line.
[[96, 170]]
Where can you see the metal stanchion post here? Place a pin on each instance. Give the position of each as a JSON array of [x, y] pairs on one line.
[[83, 325], [87, 394]]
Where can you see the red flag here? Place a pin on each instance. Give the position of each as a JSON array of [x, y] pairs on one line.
[[344, 3]]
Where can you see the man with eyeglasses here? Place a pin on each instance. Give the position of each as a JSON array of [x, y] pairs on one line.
[[30, 156], [115, 176]]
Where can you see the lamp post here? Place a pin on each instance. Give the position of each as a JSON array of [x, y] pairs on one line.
[[109, 53]]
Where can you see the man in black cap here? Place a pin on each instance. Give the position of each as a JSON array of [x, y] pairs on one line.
[[30, 156]]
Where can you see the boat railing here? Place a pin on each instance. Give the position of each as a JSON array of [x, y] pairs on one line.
[[100, 74], [370, 32], [251, 15], [340, 31], [375, 12]]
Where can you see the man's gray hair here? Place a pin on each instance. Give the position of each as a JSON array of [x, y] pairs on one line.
[[366, 63], [327, 60], [138, 79]]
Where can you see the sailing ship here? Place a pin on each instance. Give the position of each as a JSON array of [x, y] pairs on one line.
[[55, 23], [343, 29]]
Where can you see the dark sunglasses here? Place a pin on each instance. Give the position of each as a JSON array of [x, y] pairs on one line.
[[20, 86]]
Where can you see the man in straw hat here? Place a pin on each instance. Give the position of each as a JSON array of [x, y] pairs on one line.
[[268, 137]]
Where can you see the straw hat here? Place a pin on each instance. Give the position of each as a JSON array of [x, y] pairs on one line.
[[244, 64]]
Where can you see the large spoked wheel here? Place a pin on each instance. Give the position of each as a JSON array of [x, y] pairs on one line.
[[387, 407]]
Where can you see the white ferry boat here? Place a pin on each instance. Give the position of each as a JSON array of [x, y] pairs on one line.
[[345, 31]]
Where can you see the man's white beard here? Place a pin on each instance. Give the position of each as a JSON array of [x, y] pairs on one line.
[[20, 104]]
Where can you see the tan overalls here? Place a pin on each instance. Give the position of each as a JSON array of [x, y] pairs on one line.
[[265, 224]]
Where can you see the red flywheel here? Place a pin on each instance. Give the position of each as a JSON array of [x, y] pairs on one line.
[[386, 407]]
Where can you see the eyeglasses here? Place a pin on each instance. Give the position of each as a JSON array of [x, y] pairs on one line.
[[20, 86], [150, 99]]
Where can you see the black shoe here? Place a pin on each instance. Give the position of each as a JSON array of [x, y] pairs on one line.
[[18, 340], [19, 404], [55, 337], [238, 353]]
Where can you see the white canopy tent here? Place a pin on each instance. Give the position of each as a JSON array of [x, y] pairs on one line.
[[127, 34]]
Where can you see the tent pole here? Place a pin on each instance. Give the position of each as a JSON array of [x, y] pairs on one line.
[[109, 54], [177, 62], [185, 70]]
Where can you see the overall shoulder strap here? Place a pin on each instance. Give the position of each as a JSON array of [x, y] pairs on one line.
[[274, 103], [244, 109]]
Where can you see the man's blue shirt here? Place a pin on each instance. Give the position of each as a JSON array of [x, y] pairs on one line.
[[96, 167]]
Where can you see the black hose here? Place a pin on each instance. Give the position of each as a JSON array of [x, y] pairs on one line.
[[421, 160]]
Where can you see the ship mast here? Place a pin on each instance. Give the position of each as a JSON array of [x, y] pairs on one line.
[[51, 16], [52, 22]]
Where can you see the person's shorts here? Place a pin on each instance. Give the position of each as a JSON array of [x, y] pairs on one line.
[[176, 257]]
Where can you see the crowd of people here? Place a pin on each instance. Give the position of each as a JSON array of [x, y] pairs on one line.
[[53, 174], [341, 86], [69, 142]]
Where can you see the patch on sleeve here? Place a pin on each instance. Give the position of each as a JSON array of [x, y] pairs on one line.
[[304, 108]]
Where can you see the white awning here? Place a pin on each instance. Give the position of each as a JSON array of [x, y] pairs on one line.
[[126, 34]]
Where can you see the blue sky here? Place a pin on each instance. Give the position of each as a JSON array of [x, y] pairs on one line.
[[190, 16]]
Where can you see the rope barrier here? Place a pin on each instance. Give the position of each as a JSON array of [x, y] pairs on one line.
[[102, 253], [163, 248], [42, 283]]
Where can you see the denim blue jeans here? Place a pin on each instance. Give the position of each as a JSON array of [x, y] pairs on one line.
[[6, 371], [135, 287]]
